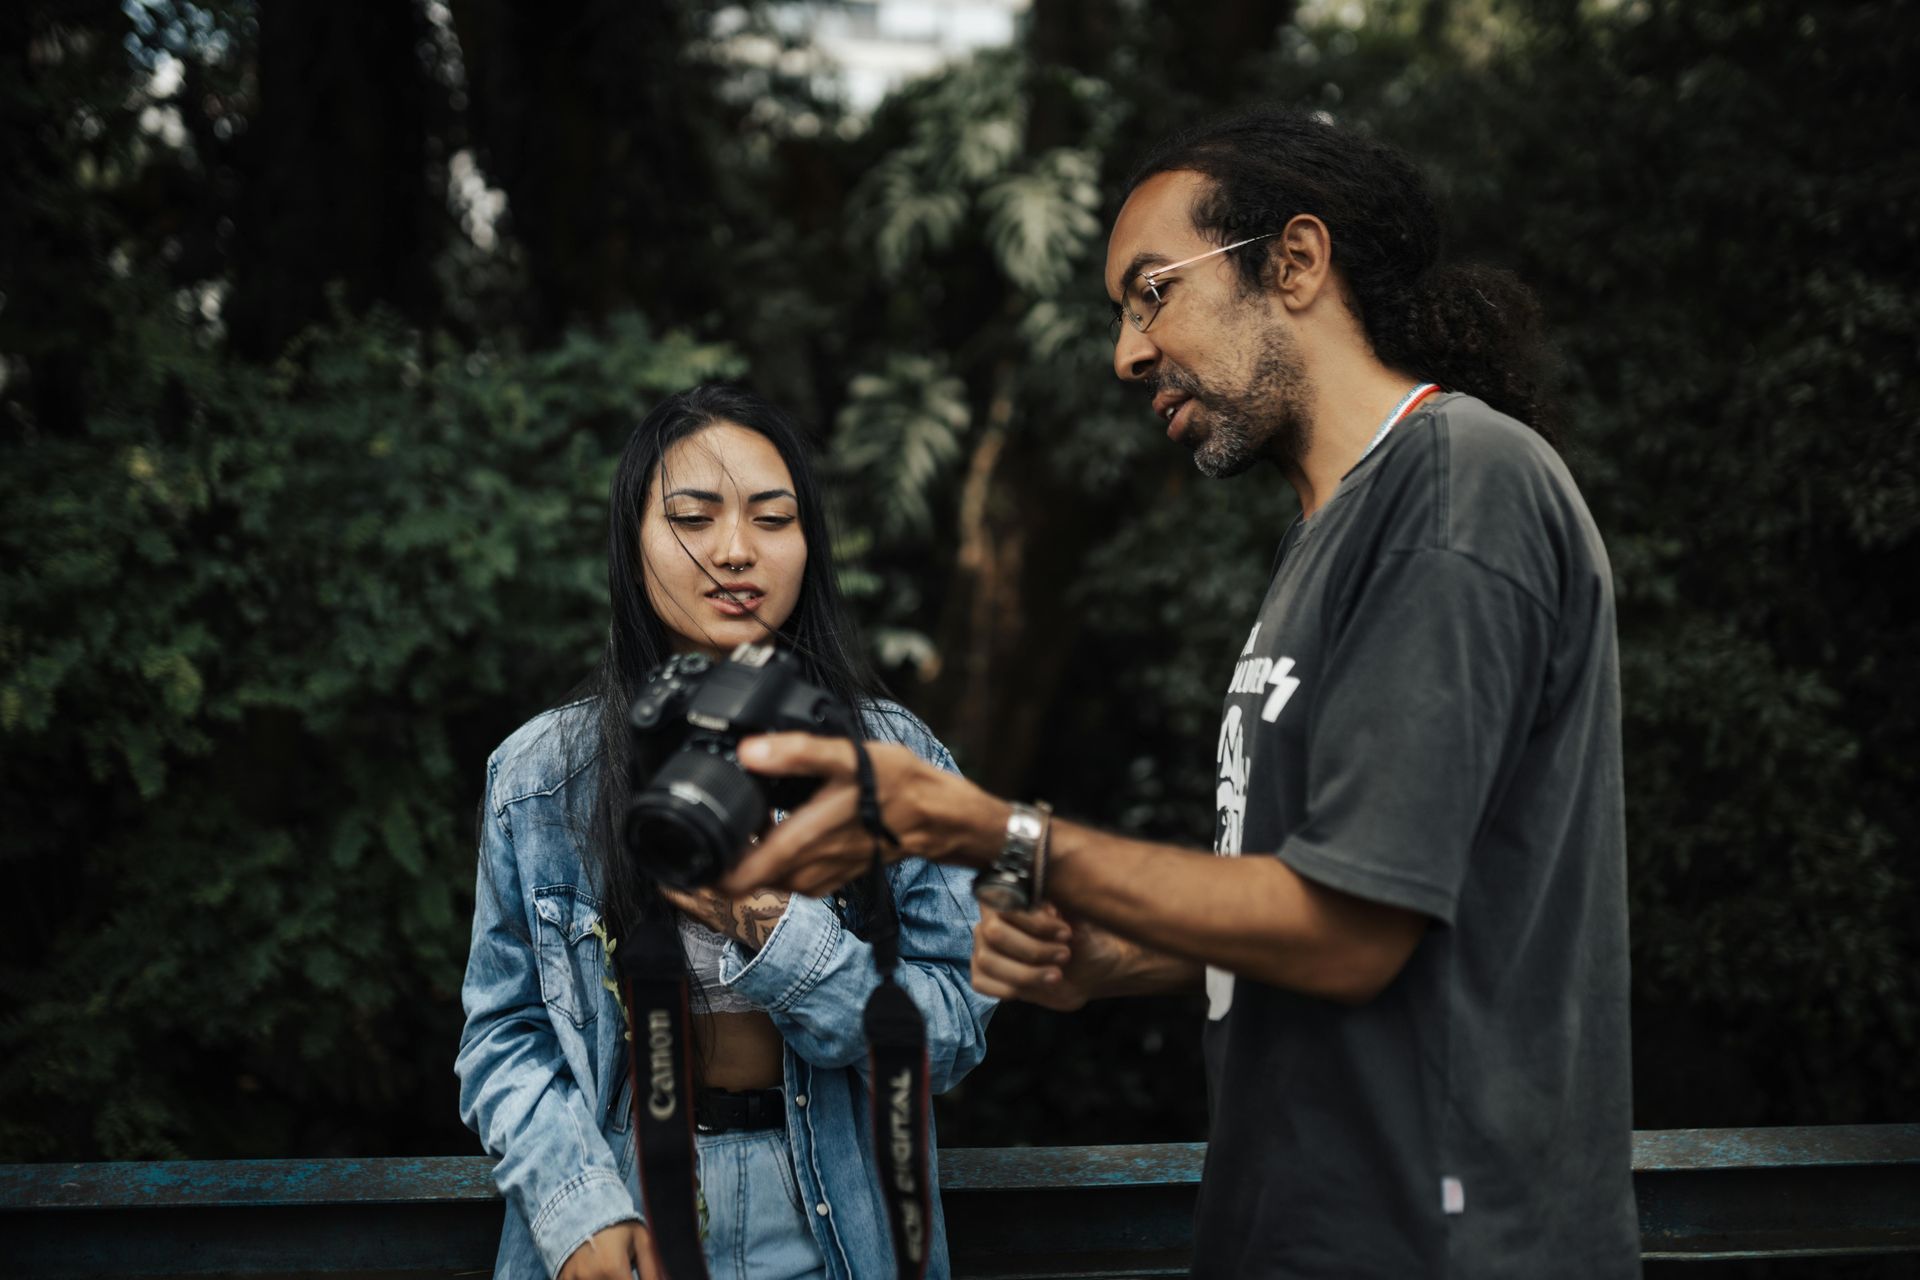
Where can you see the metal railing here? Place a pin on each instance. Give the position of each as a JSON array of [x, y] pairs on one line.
[[1028, 1212]]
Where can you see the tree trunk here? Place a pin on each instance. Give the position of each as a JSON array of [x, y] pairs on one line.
[[1006, 634]]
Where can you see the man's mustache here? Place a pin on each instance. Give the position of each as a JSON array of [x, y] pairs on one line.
[[1175, 380]]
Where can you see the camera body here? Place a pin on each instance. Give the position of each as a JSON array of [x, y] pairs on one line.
[[693, 809]]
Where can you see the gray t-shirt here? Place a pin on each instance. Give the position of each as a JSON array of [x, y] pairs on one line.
[[1427, 714]]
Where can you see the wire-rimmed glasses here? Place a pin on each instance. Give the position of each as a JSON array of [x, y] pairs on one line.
[[1141, 298]]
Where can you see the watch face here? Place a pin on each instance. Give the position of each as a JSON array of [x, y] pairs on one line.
[[999, 891]]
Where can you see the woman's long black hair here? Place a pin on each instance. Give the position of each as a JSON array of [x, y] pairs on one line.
[[820, 631]]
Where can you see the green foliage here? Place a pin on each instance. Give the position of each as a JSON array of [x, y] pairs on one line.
[[261, 624], [1706, 198], [898, 437]]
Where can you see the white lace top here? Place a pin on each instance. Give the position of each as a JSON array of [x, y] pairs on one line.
[[704, 992]]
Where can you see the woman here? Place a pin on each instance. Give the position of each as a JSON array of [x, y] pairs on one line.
[[717, 536]]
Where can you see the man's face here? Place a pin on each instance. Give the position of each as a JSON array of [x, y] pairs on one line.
[[1220, 363]]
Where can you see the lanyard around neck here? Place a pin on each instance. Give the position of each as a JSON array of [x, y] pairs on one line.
[[1401, 410]]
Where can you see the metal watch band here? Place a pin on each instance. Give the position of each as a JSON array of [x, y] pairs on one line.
[[1008, 884]]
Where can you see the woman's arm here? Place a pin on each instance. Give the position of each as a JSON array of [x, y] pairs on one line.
[[516, 1089], [814, 975]]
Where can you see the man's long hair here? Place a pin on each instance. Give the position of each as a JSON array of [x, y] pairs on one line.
[[1469, 328]]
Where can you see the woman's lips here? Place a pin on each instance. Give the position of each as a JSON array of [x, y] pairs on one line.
[[738, 602]]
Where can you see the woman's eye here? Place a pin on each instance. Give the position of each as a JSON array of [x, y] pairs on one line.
[[690, 522], [776, 522]]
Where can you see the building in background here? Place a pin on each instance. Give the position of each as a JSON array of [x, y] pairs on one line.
[[872, 46]]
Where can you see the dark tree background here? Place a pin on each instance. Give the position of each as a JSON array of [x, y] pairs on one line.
[[320, 323]]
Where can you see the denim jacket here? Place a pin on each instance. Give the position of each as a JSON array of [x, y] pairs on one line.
[[542, 1062]]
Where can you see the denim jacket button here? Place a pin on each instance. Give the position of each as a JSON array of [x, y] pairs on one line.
[[799, 1099], [821, 1209]]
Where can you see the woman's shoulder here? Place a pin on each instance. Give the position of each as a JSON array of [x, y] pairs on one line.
[[544, 754], [888, 721]]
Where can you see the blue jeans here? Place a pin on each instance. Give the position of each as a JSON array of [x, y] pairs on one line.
[[756, 1226]]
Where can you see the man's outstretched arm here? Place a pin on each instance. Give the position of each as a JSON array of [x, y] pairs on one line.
[[1253, 916]]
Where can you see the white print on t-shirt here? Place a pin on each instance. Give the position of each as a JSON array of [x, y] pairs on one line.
[[1230, 799], [1230, 793], [1253, 675], [1230, 796]]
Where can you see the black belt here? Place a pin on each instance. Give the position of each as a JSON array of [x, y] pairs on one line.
[[721, 1110]]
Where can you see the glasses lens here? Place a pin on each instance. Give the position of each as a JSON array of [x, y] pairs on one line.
[[1143, 304]]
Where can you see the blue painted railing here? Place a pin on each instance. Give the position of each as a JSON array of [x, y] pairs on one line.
[[1012, 1212]]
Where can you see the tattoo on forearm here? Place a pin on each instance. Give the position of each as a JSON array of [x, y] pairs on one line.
[[749, 921], [755, 916], [714, 913]]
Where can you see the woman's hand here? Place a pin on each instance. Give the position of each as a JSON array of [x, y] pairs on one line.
[[748, 919], [1039, 957], [614, 1253]]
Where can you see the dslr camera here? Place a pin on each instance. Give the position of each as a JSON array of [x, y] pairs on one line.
[[694, 810]]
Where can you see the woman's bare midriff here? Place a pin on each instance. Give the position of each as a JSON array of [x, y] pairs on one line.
[[736, 1050]]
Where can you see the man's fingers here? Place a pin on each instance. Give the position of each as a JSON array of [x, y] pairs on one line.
[[796, 755], [991, 988], [684, 901], [1043, 921], [823, 877], [999, 934], [772, 863], [1043, 918], [1013, 975]]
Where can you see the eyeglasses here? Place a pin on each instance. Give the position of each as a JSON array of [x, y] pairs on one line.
[[1143, 297]]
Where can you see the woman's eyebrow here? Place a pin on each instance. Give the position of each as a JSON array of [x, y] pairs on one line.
[[708, 495]]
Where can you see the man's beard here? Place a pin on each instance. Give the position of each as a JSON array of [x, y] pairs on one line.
[[1267, 418]]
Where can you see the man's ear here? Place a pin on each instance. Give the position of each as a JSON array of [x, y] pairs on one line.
[[1300, 264]]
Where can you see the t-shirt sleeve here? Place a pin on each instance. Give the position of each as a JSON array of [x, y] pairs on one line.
[[1432, 679]]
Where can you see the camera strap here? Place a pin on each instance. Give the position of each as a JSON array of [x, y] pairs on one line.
[[896, 1058], [653, 988]]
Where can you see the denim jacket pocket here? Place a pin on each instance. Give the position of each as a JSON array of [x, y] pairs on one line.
[[571, 960]]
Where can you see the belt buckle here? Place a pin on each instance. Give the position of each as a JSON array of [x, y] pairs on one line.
[[723, 1110]]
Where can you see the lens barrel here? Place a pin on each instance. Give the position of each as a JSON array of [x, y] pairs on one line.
[[694, 819]]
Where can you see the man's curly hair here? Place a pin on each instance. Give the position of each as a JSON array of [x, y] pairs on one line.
[[1469, 328]]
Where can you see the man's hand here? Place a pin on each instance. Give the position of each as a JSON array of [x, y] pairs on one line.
[[1039, 957], [748, 919], [822, 845], [614, 1253]]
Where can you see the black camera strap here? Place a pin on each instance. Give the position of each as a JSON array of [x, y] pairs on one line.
[[896, 1059], [653, 989]]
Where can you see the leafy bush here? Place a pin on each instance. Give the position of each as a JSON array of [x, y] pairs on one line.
[[262, 625]]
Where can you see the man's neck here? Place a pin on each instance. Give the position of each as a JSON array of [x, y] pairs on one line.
[[1350, 398]]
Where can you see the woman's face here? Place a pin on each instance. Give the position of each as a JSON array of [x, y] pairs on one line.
[[721, 540]]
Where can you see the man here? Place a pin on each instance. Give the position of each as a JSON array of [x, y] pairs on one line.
[[1414, 937]]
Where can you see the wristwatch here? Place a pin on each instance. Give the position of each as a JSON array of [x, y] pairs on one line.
[[1012, 882]]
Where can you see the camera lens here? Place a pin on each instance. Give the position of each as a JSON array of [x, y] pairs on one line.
[[693, 820]]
